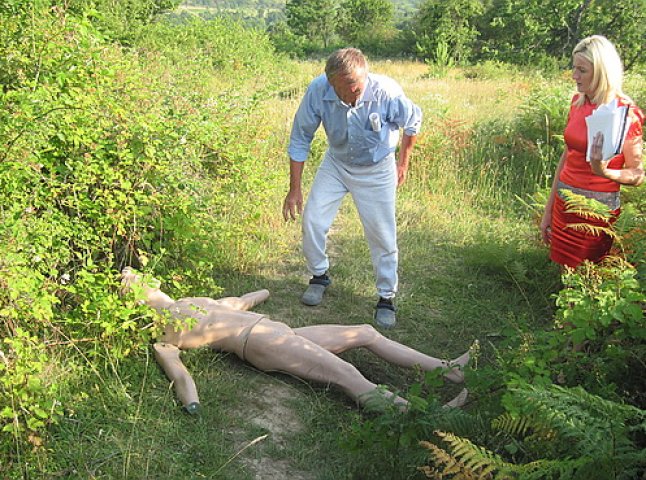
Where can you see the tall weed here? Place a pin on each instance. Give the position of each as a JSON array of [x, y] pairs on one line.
[[509, 158]]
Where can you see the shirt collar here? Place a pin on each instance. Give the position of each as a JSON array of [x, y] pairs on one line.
[[367, 96]]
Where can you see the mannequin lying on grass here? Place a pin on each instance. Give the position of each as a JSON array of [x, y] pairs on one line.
[[309, 353]]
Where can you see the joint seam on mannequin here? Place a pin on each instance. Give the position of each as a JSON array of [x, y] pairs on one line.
[[246, 334]]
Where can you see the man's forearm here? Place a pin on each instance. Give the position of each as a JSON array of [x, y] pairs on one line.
[[408, 142], [295, 175]]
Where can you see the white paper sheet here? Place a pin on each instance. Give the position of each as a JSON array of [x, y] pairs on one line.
[[609, 119]]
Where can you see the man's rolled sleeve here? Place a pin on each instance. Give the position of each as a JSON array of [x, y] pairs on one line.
[[407, 115], [306, 122]]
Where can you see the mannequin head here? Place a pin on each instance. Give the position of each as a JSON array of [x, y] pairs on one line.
[[145, 288]]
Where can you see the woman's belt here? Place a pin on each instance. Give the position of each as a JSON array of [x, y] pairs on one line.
[[609, 199]]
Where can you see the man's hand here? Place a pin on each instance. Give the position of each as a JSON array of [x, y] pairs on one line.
[[293, 205], [402, 170]]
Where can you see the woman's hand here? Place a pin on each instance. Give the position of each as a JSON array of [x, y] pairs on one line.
[[633, 171], [596, 163], [546, 227]]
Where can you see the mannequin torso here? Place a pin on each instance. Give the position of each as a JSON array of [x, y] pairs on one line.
[[218, 326]]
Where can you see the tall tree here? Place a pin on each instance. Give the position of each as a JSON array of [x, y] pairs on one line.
[[448, 27], [361, 19], [622, 22], [314, 19], [526, 30]]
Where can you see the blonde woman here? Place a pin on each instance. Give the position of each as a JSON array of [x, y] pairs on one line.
[[598, 73]]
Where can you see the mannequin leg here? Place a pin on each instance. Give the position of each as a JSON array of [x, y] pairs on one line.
[[272, 346], [246, 301], [339, 338], [167, 356]]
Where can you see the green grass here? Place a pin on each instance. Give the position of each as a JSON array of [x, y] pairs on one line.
[[467, 271]]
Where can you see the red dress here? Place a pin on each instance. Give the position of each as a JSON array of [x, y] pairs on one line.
[[569, 246]]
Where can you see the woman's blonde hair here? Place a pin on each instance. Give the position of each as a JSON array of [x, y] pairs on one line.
[[607, 70]]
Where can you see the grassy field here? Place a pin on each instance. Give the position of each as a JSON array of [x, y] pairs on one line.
[[467, 271]]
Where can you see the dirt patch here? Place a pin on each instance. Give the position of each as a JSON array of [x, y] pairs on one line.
[[270, 469], [270, 410], [273, 412]]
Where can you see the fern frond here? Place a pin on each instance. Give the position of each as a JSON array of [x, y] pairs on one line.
[[594, 230], [465, 424], [474, 457], [541, 469], [578, 396], [596, 426], [449, 465], [523, 426], [595, 436], [585, 207], [518, 426], [585, 213]]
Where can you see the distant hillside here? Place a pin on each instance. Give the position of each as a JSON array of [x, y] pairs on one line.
[[403, 8], [235, 4]]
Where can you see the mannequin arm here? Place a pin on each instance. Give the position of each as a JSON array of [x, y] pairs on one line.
[[245, 302], [167, 356]]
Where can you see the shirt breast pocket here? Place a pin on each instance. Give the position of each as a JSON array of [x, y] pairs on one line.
[[373, 139], [370, 144]]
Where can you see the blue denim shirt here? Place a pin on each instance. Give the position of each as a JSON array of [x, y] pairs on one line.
[[350, 136]]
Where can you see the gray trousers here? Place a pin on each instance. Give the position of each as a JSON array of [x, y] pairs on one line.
[[373, 190]]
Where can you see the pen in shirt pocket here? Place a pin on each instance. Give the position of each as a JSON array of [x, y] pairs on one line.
[[375, 122]]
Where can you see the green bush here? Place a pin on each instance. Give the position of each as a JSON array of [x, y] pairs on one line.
[[110, 157], [122, 20]]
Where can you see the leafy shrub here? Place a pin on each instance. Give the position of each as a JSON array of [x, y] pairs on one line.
[[601, 312], [110, 157], [121, 20], [28, 403], [287, 42], [219, 45], [601, 304]]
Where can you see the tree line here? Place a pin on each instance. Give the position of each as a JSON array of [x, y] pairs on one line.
[[534, 32]]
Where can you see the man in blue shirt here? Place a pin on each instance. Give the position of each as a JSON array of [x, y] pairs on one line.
[[362, 114]]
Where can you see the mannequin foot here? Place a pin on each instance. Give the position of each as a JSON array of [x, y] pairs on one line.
[[456, 375], [378, 400], [459, 400]]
